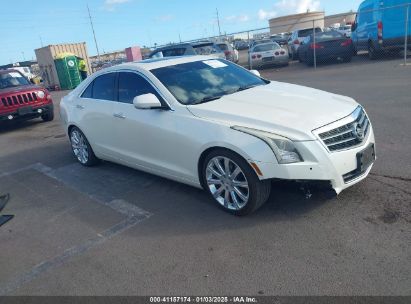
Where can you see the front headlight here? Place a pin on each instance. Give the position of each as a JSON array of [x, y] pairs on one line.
[[40, 94], [283, 148]]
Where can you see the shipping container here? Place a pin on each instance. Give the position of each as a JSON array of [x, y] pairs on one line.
[[46, 56]]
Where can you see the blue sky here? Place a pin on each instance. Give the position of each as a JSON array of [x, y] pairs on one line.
[[27, 24]]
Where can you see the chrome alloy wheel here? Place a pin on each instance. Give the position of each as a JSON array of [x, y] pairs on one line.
[[227, 183], [79, 146]]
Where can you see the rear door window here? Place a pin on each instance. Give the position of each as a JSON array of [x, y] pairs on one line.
[[104, 87]]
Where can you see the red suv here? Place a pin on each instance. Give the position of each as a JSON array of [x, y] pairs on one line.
[[19, 99]]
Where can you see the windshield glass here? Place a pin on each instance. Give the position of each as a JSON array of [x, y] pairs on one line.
[[202, 81], [266, 47], [12, 79], [328, 36], [206, 49]]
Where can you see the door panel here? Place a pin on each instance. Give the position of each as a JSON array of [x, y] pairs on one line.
[[95, 113]]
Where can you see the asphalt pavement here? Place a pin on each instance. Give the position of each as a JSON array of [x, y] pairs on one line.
[[111, 230]]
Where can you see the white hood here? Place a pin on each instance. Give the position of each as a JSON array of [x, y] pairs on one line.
[[281, 108]]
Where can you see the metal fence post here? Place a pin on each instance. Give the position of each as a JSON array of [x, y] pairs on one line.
[[314, 47], [250, 66], [407, 15]]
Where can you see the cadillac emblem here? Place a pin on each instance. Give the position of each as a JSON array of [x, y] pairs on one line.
[[358, 132]]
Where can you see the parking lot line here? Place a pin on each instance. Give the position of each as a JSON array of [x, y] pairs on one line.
[[132, 215]]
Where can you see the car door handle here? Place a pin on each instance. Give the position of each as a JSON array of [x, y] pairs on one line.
[[119, 115], [80, 107]]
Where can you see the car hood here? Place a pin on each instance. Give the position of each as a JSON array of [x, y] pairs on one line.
[[281, 108], [20, 89]]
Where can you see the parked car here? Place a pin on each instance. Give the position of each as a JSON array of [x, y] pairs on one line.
[[212, 124], [267, 54], [241, 45], [20, 99], [330, 45], [296, 38], [260, 41], [25, 71], [380, 27], [173, 50], [345, 30], [230, 52], [281, 39], [208, 48]]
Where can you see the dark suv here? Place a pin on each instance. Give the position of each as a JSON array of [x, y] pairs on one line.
[[20, 99], [186, 49]]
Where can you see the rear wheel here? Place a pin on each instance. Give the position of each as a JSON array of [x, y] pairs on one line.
[[232, 183], [372, 52], [82, 149]]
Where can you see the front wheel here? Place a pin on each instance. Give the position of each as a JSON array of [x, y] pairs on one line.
[[81, 148], [233, 184], [49, 116]]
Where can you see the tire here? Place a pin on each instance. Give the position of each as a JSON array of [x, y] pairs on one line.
[[254, 193], [49, 116], [81, 148], [372, 52], [347, 59]]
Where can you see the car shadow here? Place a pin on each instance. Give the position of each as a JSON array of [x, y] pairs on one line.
[[10, 126]]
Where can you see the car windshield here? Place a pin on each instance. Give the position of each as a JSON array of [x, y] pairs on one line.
[[12, 79], [206, 49], [203, 81], [266, 47], [307, 32], [331, 35]]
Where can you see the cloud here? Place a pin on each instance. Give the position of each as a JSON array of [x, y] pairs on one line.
[[297, 6], [164, 18], [239, 18], [286, 7], [264, 15], [110, 5]]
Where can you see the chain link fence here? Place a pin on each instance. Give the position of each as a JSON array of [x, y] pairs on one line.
[[376, 34]]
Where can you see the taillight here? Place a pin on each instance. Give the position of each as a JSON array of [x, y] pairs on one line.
[[346, 42], [296, 41], [316, 46], [380, 28]]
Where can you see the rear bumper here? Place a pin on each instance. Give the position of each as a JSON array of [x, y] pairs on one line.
[[276, 61], [28, 112]]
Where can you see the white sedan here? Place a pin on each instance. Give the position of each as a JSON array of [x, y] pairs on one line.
[[210, 123]]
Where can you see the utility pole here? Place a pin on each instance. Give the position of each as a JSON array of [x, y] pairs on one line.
[[218, 22], [41, 41], [94, 33]]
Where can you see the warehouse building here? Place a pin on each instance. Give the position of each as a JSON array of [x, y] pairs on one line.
[[294, 22]]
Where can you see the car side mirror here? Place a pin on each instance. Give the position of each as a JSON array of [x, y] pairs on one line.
[[147, 101], [256, 73]]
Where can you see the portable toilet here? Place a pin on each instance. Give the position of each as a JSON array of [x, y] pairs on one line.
[[67, 71]]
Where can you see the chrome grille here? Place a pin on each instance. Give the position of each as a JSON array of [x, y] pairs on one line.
[[348, 135]]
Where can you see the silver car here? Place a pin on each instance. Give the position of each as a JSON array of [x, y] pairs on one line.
[[267, 54]]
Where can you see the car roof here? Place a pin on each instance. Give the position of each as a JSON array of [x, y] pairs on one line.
[[151, 64]]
